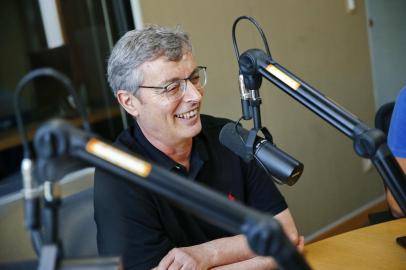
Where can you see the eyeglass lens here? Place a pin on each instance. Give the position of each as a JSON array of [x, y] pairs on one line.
[[177, 89]]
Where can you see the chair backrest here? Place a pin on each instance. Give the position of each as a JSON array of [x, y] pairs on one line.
[[77, 228], [77, 232], [383, 116]]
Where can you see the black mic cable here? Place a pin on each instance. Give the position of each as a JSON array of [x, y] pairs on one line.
[[64, 80], [259, 28]]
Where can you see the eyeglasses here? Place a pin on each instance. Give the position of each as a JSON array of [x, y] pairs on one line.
[[176, 90]]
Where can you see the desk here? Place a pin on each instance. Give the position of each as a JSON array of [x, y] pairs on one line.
[[372, 247]]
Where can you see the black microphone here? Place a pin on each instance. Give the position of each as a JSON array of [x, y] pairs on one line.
[[279, 164]]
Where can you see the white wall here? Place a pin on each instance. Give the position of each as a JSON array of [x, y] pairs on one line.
[[387, 39]]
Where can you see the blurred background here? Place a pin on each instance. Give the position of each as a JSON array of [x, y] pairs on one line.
[[351, 50]]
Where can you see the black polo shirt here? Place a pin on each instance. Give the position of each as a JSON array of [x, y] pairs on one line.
[[143, 227]]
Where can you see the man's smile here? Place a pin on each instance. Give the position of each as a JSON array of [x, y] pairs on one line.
[[189, 114]]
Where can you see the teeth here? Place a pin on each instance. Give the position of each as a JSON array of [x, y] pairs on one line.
[[187, 115]]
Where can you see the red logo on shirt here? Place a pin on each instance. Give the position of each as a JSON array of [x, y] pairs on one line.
[[230, 196]]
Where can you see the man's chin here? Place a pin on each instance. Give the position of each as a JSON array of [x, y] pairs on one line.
[[196, 128], [192, 130]]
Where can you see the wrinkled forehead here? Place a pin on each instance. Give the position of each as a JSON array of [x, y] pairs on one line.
[[163, 70]]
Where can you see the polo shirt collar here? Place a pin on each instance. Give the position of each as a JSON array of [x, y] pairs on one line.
[[135, 140]]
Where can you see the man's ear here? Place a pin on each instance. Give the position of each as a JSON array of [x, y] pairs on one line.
[[129, 102]]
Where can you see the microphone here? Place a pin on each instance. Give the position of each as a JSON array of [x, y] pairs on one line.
[[279, 164]]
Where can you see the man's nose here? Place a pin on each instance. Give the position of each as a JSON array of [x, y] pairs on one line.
[[192, 92]]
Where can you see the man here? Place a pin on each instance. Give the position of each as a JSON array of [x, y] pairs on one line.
[[155, 78], [397, 144]]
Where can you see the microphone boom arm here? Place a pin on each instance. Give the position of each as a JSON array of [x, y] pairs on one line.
[[264, 234], [368, 142]]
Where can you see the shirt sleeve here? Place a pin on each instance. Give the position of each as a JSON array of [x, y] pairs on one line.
[[262, 192], [397, 129], [127, 223]]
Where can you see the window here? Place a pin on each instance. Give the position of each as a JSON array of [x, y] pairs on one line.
[[72, 36]]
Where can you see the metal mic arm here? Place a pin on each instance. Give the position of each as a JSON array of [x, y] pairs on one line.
[[263, 232], [368, 142]]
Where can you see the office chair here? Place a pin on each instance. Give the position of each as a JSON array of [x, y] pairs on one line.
[[382, 121], [383, 116], [77, 227]]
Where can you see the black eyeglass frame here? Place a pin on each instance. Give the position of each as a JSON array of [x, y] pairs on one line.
[[186, 79]]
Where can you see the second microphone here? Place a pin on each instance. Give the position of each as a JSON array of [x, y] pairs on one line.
[[277, 163]]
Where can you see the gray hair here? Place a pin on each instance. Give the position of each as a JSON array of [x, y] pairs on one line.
[[139, 46]]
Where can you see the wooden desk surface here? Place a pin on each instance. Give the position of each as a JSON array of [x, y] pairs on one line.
[[372, 247]]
